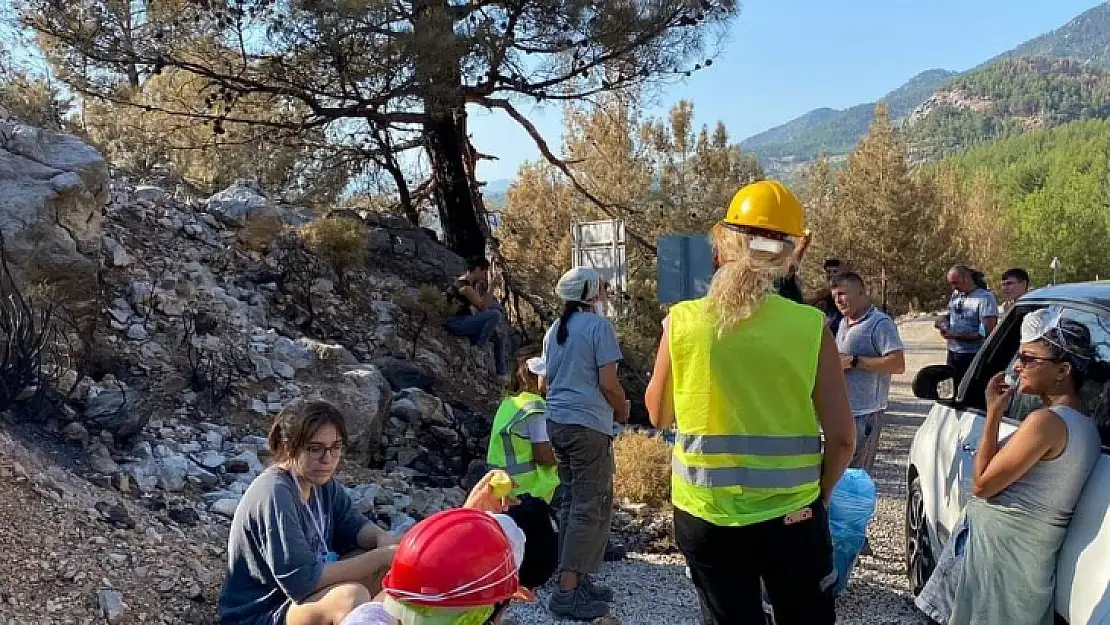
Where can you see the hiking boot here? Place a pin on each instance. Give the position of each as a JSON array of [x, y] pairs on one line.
[[576, 605], [597, 592]]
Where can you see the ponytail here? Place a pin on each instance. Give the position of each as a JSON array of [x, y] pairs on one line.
[[743, 278], [569, 308]]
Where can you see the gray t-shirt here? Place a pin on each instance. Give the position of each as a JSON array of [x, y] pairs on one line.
[[875, 334], [573, 380], [966, 312], [274, 550]]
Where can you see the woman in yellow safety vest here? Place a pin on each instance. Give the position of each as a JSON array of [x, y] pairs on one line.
[[519, 443], [751, 380]]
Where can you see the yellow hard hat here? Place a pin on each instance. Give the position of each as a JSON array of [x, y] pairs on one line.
[[767, 205]]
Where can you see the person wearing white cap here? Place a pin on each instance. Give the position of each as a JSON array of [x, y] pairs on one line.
[[519, 443], [584, 398], [1026, 485]]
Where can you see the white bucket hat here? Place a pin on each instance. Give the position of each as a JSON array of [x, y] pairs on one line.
[[580, 284], [537, 366]]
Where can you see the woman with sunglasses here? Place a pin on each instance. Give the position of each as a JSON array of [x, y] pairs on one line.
[[293, 527], [1026, 486]]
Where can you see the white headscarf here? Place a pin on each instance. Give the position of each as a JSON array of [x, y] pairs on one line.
[[580, 284]]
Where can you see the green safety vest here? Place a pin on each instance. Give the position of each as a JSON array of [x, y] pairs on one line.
[[748, 446], [510, 450]]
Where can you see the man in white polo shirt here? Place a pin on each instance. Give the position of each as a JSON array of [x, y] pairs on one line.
[[871, 352]]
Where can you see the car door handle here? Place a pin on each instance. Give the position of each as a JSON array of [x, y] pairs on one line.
[[969, 449]]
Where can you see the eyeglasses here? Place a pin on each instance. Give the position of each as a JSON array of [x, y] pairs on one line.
[[1028, 359], [317, 450]]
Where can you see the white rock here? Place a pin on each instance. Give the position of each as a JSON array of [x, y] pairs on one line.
[[252, 461], [322, 287], [233, 205], [151, 194], [54, 188], [258, 442], [171, 473], [284, 370], [137, 332], [204, 477], [213, 439], [120, 257], [400, 523], [121, 310], [291, 353], [211, 460], [258, 406], [111, 605], [225, 507]]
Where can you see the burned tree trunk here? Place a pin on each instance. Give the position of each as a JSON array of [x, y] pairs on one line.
[[439, 71], [445, 136]]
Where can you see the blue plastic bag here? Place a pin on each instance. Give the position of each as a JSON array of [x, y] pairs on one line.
[[850, 510]]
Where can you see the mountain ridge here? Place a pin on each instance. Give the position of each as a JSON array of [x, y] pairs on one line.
[[784, 148]]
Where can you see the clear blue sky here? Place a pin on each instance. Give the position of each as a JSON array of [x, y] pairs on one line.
[[786, 57]]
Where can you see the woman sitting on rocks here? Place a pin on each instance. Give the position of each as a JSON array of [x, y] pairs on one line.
[[293, 527]]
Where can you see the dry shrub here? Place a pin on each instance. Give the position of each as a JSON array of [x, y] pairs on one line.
[[263, 226], [643, 468], [341, 241], [426, 307]]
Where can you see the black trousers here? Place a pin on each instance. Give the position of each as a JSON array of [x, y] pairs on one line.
[[794, 561], [961, 362]]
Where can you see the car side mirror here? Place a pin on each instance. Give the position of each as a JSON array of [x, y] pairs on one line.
[[936, 383]]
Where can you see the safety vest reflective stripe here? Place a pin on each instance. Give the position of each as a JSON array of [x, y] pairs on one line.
[[527, 409], [748, 444], [511, 465], [715, 477]]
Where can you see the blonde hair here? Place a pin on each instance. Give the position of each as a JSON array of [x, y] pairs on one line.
[[744, 278]]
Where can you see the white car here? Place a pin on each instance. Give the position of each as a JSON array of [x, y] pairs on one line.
[[941, 460]]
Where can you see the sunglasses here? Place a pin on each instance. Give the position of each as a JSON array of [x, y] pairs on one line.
[[317, 450], [1028, 359]]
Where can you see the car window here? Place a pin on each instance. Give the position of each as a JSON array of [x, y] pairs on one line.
[[1096, 396]]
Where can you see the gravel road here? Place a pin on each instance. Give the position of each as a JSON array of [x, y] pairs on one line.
[[653, 589]]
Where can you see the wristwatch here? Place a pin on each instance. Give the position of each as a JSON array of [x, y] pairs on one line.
[[855, 361]]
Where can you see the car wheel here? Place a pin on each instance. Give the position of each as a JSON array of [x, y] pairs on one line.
[[920, 561]]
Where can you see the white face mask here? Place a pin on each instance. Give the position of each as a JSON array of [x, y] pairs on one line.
[[762, 244]]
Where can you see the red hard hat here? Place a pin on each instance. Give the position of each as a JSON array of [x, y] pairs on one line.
[[457, 558]]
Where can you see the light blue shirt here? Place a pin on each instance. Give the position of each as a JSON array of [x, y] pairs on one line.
[[573, 372], [872, 336], [966, 312]]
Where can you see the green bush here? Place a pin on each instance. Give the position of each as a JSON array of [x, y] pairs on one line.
[[341, 242]]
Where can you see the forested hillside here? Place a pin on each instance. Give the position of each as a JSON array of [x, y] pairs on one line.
[[838, 131], [1053, 190], [1007, 98]]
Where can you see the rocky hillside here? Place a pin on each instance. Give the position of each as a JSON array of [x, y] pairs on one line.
[[1010, 97], [1085, 39], [187, 324]]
